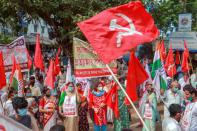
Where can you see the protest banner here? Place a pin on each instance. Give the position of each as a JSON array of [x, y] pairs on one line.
[[16, 48], [88, 64]]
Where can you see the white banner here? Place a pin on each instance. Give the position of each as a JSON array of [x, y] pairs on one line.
[[8, 124]]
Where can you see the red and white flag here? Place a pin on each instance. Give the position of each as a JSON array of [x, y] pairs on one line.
[[170, 64], [115, 31], [112, 100]]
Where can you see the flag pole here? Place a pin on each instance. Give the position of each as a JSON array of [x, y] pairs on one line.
[[127, 97], [191, 64]]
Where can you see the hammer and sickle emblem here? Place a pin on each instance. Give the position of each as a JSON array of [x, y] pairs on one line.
[[126, 31]]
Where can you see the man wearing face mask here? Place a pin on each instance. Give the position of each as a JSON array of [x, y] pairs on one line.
[[172, 96], [149, 110], [189, 120], [172, 123], [68, 103], [20, 107]]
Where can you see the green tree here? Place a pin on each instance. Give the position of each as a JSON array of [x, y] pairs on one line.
[[62, 15]]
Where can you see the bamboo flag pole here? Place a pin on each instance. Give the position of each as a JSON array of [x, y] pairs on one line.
[[191, 64], [115, 78]]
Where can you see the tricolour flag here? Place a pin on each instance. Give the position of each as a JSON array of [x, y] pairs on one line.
[[158, 72], [17, 78]]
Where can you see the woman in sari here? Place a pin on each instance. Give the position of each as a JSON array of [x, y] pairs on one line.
[[82, 110], [123, 121], [68, 104], [47, 107]]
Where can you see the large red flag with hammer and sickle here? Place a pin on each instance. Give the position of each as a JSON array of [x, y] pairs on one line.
[[115, 31]]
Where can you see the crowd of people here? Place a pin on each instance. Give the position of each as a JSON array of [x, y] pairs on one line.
[[69, 107]]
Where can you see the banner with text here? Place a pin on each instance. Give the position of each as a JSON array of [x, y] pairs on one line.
[[16, 48], [87, 63]]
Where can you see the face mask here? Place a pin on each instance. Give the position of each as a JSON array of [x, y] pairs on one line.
[[175, 90], [70, 89], [22, 112], [28, 94], [35, 110], [100, 88], [190, 99]]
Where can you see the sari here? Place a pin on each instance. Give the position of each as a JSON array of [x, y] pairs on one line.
[[49, 118]]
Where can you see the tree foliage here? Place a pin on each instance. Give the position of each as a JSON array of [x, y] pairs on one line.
[[62, 15]]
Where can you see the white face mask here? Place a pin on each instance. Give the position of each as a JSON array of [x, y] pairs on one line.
[[100, 88], [35, 110]]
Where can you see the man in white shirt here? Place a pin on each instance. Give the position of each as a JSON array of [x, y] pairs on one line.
[[172, 123], [34, 90], [184, 81], [8, 107], [189, 120], [172, 96]]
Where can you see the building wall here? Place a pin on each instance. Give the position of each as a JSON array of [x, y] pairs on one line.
[[38, 26]]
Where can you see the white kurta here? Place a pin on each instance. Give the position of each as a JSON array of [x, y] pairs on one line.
[[189, 119], [170, 124], [9, 110], [171, 98]]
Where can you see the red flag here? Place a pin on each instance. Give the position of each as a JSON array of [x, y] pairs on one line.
[[117, 30], [185, 64], [50, 78], [57, 63], [177, 58], [112, 100], [162, 51], [38, 60], [169, 65], [136, 76], [2, 72], [29, 60]]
